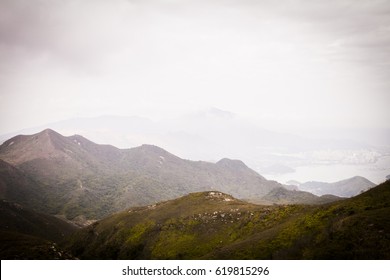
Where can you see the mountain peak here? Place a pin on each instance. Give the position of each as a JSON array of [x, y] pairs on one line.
[[47, 131], [344, 188], [49, 134], [358, 178], [20, 138], [151, 147], [23, 148], [232, 163]]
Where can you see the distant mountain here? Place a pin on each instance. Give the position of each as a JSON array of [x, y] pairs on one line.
[[214, 225], [213, 134], [292, 185], [345, 188], [26, 234], [83, 180], [120, 131], [282, 195]]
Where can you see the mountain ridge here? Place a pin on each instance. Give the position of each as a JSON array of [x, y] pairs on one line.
[[345, 188], [205, 136], [79, 177], [85, 181]]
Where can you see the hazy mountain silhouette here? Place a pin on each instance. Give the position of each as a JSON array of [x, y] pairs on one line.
[[345, 188], [213, 134], [284, 196]]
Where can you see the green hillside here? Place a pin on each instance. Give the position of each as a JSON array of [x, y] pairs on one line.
[[213, 225]]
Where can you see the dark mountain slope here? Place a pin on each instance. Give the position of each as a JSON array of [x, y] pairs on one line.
[[26, 234], [213, 225], [15, 185], [16, 218], [17, 246]]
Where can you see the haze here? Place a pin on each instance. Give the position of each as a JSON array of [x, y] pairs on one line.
[[311, 68]]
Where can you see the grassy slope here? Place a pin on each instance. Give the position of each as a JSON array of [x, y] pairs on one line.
[[204, 226], [357, 228]]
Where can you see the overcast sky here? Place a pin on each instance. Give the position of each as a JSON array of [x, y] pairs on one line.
[[280, 63]]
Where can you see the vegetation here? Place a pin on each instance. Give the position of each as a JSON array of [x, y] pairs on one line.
[[77, 180], [213, 225], [26, 234], [16, 246]]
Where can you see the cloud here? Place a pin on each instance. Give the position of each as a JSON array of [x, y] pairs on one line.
[[160, 57]]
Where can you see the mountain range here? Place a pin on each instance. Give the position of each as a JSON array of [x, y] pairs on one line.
[[145, 202], [79, 179], [282, 195], [82, 181], [344, 188], [213, 134]]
